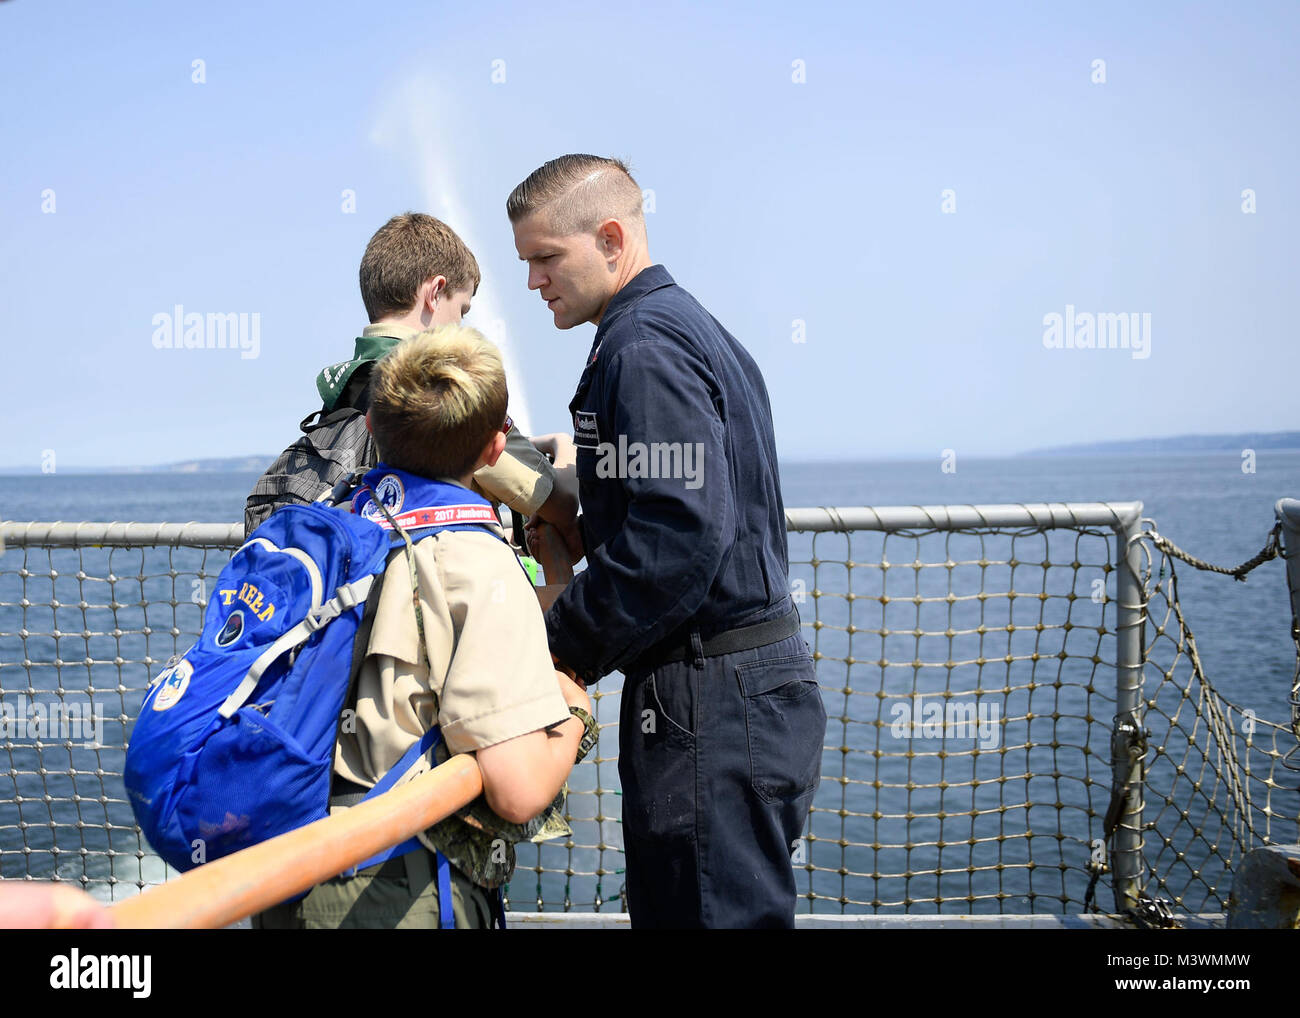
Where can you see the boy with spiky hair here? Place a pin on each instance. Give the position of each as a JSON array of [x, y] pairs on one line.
[[472, 659], [416, 274]]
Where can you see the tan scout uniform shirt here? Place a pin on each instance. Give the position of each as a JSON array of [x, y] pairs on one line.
[[522, 477], [489, 678]]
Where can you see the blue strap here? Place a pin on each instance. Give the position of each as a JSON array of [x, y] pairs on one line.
[[446, 914], [446, 918], [499, 902], [431, 739]]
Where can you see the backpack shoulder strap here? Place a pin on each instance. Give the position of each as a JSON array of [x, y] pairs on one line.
[[322, 418], [410, 562], [347, 596], [427, 744]]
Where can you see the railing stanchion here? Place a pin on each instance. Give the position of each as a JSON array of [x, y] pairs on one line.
[[1128, 744]]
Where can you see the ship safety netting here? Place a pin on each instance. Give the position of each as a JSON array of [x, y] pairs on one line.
[[1018, 720]]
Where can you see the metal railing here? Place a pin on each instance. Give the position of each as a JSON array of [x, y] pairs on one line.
[[985, 671]]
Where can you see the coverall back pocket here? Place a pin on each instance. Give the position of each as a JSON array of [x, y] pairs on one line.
[[785, 722]]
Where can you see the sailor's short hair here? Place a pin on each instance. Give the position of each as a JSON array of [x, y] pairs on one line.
[[577, 193]]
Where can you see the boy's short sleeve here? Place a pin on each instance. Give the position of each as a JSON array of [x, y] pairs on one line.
[[500, 682], [522, 478]]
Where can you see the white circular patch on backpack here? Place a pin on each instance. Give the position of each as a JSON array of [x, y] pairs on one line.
[[390, 493], [174, 683]]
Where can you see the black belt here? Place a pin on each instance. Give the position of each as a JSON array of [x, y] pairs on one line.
[[745, 638], [346, 793]]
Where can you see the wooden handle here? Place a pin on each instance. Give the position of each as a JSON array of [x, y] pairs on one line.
[[229, 889]]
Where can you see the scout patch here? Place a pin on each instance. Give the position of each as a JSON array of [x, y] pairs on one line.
[[172, 685], [232, 630], [391, 493]]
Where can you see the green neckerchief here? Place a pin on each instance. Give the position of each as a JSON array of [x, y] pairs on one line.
[[372, 344]]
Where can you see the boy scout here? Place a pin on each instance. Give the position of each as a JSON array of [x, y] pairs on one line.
[[416, 274], [686, 586], [483, 673]]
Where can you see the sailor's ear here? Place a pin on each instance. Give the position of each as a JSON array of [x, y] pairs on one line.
[[611, 238], [369, 427]]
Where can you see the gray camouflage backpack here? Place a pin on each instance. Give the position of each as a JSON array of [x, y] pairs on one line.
[[333, 446]]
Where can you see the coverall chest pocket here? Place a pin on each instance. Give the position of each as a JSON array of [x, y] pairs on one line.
[[785, 723], [586, 427], [599, 500]]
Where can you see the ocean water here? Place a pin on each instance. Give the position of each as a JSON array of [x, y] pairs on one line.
[[1204, 503]]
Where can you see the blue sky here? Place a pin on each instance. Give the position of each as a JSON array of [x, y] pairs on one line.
[[775, 202]]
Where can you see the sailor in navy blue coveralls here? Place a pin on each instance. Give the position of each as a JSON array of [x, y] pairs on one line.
[[686, 592]]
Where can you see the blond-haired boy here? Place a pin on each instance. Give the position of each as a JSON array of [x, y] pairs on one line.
[[482, 672]]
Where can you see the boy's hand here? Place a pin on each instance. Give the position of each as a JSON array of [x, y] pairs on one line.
[[564, 669], [574, 694], [40, 906]]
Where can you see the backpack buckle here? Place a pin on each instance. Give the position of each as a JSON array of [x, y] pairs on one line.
[[345, 598], [317, 618]]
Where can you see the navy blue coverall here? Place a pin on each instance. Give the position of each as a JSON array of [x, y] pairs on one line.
[[684, 528]]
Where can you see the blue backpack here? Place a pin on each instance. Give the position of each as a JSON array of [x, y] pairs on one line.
[[235, 742]]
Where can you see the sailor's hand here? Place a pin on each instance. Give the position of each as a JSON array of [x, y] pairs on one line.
[[555, 542], [561, 505], [558, 448]]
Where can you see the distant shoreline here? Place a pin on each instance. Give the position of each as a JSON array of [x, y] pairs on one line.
[[1273, 441], [1179, 445], [163, 471]]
